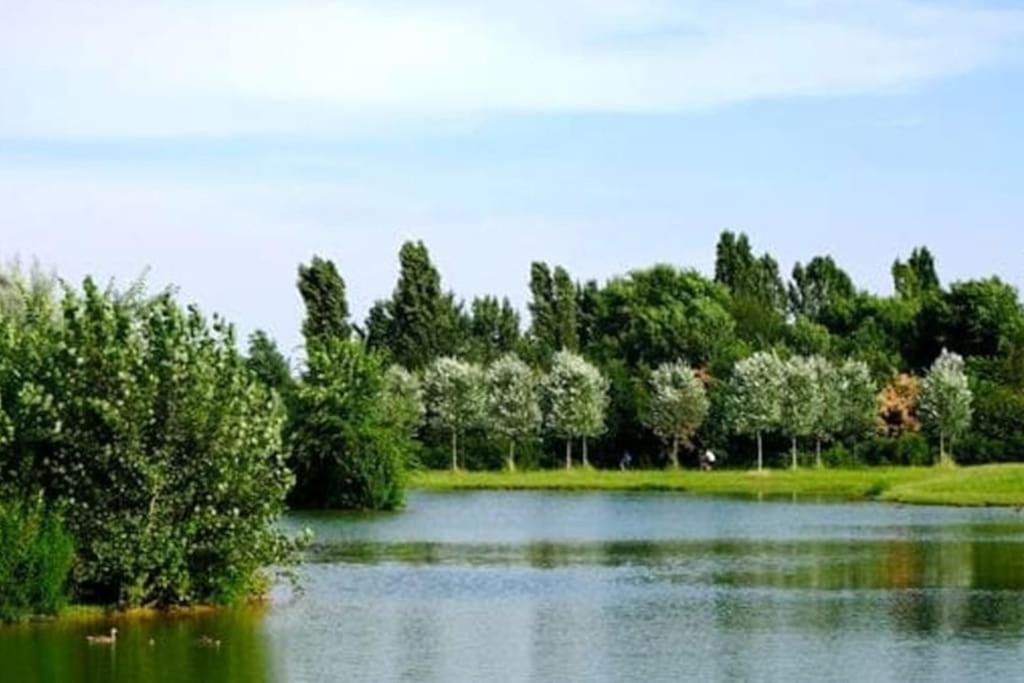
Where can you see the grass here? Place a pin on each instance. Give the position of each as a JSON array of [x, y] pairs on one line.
[[987, 485]]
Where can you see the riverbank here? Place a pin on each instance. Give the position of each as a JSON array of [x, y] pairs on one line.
[[997, 485]]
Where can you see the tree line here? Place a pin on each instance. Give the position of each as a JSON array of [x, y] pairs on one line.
[[665, 362]]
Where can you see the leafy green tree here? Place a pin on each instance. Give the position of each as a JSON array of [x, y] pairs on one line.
[[347, 449], [754, 399], [678, 406], [512, 400], [947, 402], [749, 277], [555, 311], [802, 401], [455, 398], [493, 329], [577, 397], [323, 292], [36, 557], [143, 422], [821, 291], [917, 276], [267, 364], [657, 315], [420, 322], [566, 314]]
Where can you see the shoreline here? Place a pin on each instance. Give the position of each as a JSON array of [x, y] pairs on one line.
[[977, 486]]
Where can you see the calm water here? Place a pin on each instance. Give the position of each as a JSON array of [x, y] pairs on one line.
[[601, 587]]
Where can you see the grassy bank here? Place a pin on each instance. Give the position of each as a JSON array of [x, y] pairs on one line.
[[988, 485]]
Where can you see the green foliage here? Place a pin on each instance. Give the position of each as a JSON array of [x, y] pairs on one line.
[[657, 315], [420, 322], [349, 448], [493, 329], [36, 556], [323, 292], [143, 422], [402, 396], [268, 365], [821, 291]]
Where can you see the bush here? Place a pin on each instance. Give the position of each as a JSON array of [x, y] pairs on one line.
[[143, 421], [346, 451], [908, 449], [36, 555]]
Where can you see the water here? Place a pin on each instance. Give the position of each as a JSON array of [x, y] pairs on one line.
[[599, 587]]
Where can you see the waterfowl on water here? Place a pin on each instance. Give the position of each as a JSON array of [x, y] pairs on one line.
[[103, 640], [207, 641]]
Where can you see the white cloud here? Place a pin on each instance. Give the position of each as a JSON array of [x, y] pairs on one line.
[[124, 67]]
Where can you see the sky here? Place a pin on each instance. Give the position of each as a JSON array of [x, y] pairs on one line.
[[216, 144]]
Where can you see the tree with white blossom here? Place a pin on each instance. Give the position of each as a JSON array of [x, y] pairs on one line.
[[947, 402], [577, 397], [512, 403], [754, 399], [454, 393], [678, 406]]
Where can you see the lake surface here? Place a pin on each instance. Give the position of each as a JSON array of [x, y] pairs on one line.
[[599, 587]]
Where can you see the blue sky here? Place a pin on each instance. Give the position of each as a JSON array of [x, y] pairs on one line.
[[220, 143]]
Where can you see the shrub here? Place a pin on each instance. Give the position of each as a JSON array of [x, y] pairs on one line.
[[36, 555], [346, 450], [143, 421]]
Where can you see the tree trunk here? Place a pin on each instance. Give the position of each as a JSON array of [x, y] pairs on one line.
[[817, 450], [511, 456], [760, 452], [455, 451], [794, 464], [674, 456], [586, 461], [568, 453]]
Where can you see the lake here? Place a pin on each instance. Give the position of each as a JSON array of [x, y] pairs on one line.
[[489, 586]]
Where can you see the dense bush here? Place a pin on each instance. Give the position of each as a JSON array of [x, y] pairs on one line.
[[36, 555], [346, 451], [143, 421]]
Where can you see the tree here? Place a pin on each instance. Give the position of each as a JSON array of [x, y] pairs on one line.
[[323, 291], [754, 399], [266, 362], [577, 396], [917, 276], [403, 400], [513, 408], [828, 417], [947, 402], [455, 399], [678, 406], [566, 314], [821, 291], [802, 402], [555, 311], [493, 329], [420, 322], [347, 449], [141, 420], [857, 396], [747, 276], [897, 407]]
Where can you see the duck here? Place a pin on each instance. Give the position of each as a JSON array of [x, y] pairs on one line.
[[207, 641], [103, 640]]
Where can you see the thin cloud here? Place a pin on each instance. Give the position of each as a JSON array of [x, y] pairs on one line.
[[121, 69]]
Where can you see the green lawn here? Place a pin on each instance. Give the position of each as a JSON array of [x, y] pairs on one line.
[[988, 485]]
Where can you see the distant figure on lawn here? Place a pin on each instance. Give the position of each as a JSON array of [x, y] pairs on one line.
[[707, 460], [625, 461]]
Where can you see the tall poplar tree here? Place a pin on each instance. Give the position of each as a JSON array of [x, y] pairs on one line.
[[323, 292]]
